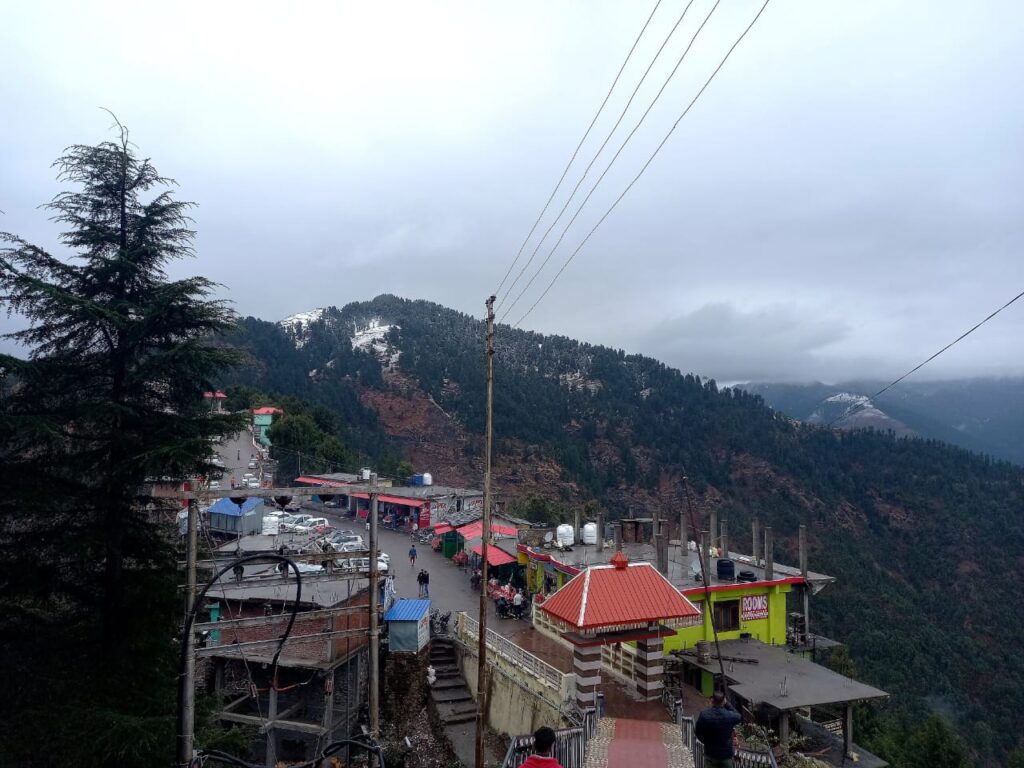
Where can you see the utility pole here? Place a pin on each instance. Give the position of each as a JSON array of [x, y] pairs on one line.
[[374, 627], [481, 672], [186, 683]]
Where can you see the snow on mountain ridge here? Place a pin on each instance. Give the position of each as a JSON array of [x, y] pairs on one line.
[[298, 324], [373, 338]]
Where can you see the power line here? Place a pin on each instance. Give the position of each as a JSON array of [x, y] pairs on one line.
[[615, 157], [577, 150], [605, 143], [642, 170], [863, 404]]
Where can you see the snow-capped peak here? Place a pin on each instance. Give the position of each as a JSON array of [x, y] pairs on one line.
[[298, 324]]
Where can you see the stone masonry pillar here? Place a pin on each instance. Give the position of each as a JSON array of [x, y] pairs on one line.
[[586, 663], [650, 668]]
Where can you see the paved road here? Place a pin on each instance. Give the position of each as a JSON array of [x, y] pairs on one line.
[[236, 452]]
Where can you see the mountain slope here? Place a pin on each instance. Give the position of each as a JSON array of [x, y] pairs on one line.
[[922, 536], [985, 415]]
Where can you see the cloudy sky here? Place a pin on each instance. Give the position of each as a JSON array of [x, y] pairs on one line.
[[844, 198]]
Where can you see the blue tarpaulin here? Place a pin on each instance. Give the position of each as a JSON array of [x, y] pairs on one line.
[[228, 507]]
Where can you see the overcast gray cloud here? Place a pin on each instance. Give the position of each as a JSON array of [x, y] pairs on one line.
[[844, 199]]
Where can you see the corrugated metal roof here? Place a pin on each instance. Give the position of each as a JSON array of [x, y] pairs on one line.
[[495, 555], [408, 610], [476, 530], [606, 596], [311, 480], [390, 499]]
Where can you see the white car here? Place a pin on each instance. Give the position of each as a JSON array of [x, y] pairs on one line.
[[295, 522], [214, 485], [252, 482], [313, 524]]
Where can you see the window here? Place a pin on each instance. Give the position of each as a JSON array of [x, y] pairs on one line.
[[727, 615]]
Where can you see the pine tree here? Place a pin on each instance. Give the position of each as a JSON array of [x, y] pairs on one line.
[[119, 356]]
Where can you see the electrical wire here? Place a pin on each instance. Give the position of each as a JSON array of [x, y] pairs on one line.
[[642, 170], [366, 743], [864, 403], [600, 149], [198, 602], [577, 150], [245, 660]]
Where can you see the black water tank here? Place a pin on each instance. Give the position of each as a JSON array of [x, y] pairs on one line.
[[746, 576], [726, 569]]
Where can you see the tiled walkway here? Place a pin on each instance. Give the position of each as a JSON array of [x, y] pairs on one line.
[[623, 743]]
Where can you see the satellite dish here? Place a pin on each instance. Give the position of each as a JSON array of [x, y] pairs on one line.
[[548, 537]]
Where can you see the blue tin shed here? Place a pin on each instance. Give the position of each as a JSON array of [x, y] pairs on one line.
[[227, 517], [408, 625]]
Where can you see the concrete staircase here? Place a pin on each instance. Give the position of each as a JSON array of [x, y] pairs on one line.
[[454, 702]]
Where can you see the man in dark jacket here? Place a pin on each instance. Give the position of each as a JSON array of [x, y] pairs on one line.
[[714, 731]]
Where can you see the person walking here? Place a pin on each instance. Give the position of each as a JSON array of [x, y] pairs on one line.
[[426, 583], [714, 730], [412, 557], [543, 744], [420, 580]]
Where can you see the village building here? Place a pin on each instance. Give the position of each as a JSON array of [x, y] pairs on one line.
[[262, 418], [215, 400], [321, 683]]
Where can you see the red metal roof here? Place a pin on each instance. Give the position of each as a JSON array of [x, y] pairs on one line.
[[604, 596], [442, 528], [218, 395], [495, 555], [320, 482], [267, 410], [475, 530], [391, 499]]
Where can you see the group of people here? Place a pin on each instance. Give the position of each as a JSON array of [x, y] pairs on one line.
[[423, 579]]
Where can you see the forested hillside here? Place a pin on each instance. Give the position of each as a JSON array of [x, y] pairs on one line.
[[924, 538]]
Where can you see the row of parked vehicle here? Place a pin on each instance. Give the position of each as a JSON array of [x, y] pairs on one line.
[[292, 523]]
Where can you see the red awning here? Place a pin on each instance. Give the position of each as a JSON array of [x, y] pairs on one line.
[[476, 530], [442, 528], [495, 556], [391, 499]]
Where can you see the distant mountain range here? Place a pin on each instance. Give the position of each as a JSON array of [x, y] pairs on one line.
[[983, 415], [924, 537]]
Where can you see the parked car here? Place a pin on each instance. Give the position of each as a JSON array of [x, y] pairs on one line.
[[215, 485], [295, 522], [252, 482], [312, 525], [253, 464]]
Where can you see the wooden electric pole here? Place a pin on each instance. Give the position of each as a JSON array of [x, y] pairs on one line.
[[186, 683], [481, 671], [374, 627]]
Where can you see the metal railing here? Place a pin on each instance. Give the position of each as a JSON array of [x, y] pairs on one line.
[[523, 659], [744, 758], [569, 750]]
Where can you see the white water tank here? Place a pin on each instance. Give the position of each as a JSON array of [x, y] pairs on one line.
[[565, 535], [364, 473], [589, 534], [428, 479]]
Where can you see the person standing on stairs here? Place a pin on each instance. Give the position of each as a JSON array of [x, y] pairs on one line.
[[543, 744]]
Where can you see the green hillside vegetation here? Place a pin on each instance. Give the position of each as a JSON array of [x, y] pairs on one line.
[[922, 536]]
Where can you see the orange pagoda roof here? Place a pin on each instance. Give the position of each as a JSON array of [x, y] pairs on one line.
[[620, 596]]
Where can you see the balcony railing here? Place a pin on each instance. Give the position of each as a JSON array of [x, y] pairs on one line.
[[469, 628]]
